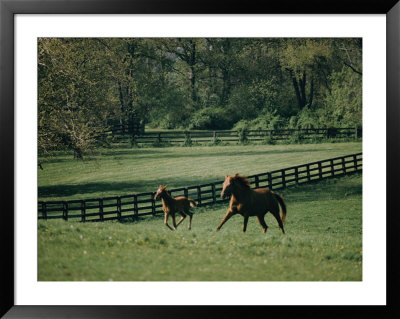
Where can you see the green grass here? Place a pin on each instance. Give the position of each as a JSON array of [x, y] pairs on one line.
[[121, 171], [323, 242]]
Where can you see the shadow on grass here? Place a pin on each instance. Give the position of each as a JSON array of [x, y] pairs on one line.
[[115, 188], [329, 189], [163, 153]]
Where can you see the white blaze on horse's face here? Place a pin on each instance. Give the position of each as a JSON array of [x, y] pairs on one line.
[[226, 186]]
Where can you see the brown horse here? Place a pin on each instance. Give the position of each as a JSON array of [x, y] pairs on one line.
[[248, 202], [172, 205]]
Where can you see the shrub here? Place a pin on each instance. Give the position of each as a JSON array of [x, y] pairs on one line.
[[269, 140], [296, 138], [242, 134], [188, 139], [209, 118]]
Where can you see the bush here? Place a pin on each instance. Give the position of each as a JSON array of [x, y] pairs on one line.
[[188, 139], [209, 118], [296, 138], [242, 134], [268, 140], [266, 121]]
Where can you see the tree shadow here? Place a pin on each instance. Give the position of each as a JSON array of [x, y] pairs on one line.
[[115, 188]]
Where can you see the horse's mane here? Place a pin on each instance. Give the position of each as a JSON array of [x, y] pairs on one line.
[[243, 181]]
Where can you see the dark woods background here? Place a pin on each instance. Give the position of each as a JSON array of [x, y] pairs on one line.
[[87, 85]]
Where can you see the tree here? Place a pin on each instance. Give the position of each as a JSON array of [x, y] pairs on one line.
[[74, 94], [85, 85], [344, 103], [308, 63]]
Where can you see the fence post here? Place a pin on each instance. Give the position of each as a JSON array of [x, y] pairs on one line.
[[65, 210], [83, 211], [135, 206], [332, 168], [153, 204], [308, 172], [256, 181], [159, 138], [119, 208], [199, 195], [355, 162], [269, 180], [186, 192], [320, 170], [44, 211], [101, 209], [283, 178], [296, 175], [214, 197], [344, 165]]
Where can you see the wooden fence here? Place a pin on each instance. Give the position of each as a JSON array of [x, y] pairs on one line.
[[177, 137], [120, 207]]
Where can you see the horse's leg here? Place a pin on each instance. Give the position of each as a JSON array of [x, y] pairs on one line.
[[181, 219], [166, 221], [228, 215], [246, 219], [190, 220], [278, 218], [262, 223]]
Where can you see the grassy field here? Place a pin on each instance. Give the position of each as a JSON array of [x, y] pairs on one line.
[[323, 240], [121, 171]]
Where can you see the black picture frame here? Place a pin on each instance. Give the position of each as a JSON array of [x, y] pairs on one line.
[[8, 10]]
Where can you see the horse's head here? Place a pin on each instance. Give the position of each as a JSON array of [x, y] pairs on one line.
[[227, 186], [160, 190], [239, 183]]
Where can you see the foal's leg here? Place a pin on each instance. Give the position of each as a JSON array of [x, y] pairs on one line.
[[181, 219], [262, 223], [173, 220], [228, 215], [246, 219], [166, 221]]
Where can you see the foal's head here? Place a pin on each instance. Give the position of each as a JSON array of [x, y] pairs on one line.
[[231, 182], [161, 189]]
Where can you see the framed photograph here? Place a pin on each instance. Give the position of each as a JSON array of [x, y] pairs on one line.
[[355, 52]]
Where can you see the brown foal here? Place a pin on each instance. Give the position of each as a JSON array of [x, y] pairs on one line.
[[172, 205]]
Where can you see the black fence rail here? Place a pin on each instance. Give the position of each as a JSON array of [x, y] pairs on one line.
[[137, 205], [177, 137]]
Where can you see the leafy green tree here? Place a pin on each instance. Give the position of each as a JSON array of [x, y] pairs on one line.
[[344, 103], [74, 94], [86, 85]]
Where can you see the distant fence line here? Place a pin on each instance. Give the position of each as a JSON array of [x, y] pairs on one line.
[[137, 205], [235, 136]]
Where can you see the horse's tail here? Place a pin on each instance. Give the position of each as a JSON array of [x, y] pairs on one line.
[[283, 206], [192, 202]]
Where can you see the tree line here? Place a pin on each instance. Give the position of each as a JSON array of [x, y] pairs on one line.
[[85, 85]]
